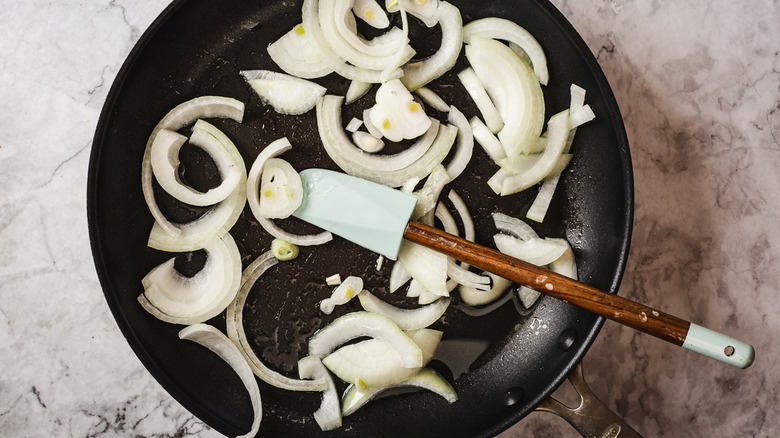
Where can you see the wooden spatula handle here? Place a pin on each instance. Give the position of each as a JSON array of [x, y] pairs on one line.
[[622, 310]]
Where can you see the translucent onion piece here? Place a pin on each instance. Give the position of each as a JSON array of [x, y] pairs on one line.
[[396, 114], [203, 107], [216, 221], [356, 90], [537, 251], [465, 216], [174, 298], [485, 105], [285, 93], [406, 319], [426, 266], [398, 277], [467, 278], [476, 297], [464, 146], [354, 125], [514, 226], [564, 265], [487, 140], [503, 29], [253, 198], [356, 324], [237, 334], [328, 416], [367, 142], [295, 54], [371, 13], [541, 204], [433, 100], [218, 343], [428, 195], [419, 73], [425, 10], [513, 88], [284, 250], [375, 168], [446, 219], [281, 189], [527, 296], [348, 289], [426, 378]]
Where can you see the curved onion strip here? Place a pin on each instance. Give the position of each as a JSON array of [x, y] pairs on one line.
[[281, 189], [513, 88], [215, 341], [425, 10], [464, 144], [337, 144], [371, 13], [203, 107], [467, 278], [176, 299], [273, 149], [356, 90], [433, 100], [328, 416], [503, 29], [485, 105], [487, 140], [426, 378], [473, 297], [237, 334], [367, 142], [295, 54], [287, 94], [357, 324], [311, 22], [446, 219], [425, 265], [398, 277], [514, 226], [418, 73], [406, 319], [217, 220], [536, 251], [428, 195]]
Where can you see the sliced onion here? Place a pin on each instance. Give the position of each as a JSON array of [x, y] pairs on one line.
[[513, 88], [253, 198], [541, 204], [428, 195], [203, 107], [396, 114], [348, 289], [464, 144], [354, 125], [447, 220], [487, 140], [426, 378], [328, 416], [503, 29], [235, 330], [215, 341], [356, 90], [485, 105], [297, 55], [333, 280], [285, 93], [371, 13], [433, 100], [476, 297], [406, 319], [426, 266], [367, 142], [283, 250], [281, 190], [373, 362], [425, 10], [174, 298], [537, 251], [419, 73], [467, 278], [514, 226], [356, 324], [398, 277]]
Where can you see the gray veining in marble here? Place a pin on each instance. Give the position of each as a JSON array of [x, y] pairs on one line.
[[699, 88]]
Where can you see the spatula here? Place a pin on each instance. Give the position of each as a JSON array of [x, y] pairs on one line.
[[377, 217]]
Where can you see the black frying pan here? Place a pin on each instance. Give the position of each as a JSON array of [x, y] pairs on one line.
[[502, 365]]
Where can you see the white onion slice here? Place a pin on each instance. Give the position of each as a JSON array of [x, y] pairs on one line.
[[348, 289], [475, 297], [235, 330], [275, 148], [406, 319], [328, 416], [514, 226], [371, 13], [447, 220], [536, 250], [281, 189], [464, 147], [541, 204], [357, 324], [396, 114], [285, 93], [218, 343], [426, 266], [419, 73], [203, 107], [428, 195], [433, 100], [467, 278], [425, 10], [564, 265], [398, 277], [295, 54], [485, 105], [513, 88], [356, 90], [354, 125], [503, 29], [367, 142], [487, 140], [426, 378]]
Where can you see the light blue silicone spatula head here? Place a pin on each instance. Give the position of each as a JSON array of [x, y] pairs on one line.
[[369, 214]]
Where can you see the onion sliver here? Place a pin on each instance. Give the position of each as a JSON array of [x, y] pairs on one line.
[[467, 278], [295, 54], [357, 90], [216, 221], [281, 190], [537, 251], [367, 142], [406, 319], [433, 100], [398, 277], [514, 226], [426, 266], [370, 12], [355, 162], [285, 93], [203, 107], [426, 378], [425, 10], [418, 73], [428, 195], [503, 29], [373, 362], [218, 343], [476, 297], [487, 140], [485, 105], [237, 334], [513, 88], [464, 146], [557, 136], [275, 148], [342, 294], [328, 416], [357, 324], [174, 298]]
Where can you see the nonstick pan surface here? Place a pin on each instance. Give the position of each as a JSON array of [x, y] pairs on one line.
[[502, 364]]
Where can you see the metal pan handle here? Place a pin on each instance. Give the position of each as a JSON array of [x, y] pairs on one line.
[[592, 418]]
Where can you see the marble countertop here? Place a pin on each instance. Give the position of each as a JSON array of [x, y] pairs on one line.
[[699, 89]]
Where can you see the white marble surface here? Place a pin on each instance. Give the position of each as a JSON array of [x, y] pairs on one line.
[[698, 85]]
